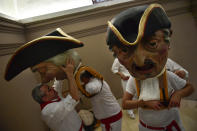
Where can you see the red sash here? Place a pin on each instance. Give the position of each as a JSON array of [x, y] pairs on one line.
[[81, 128], [46, 103], [109, 120], [168, 128]]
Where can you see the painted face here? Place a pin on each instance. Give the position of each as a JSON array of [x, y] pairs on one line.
[[48, 71], [49, 93], [147, 59]]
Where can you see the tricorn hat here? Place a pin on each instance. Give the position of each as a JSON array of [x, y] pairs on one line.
[[39, 50], [131, 25]]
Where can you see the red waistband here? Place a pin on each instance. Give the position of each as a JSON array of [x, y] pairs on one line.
[[109, 120], [168, 128], [80, 129]]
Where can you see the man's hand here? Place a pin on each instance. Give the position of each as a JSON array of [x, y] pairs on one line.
[[175, 100], [180, 73], [122, 76], [69, 67], [153, 104]]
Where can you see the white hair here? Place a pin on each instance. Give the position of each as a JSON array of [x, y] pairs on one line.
[[61, 58]]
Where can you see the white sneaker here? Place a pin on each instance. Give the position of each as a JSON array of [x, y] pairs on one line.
[[132, 116]]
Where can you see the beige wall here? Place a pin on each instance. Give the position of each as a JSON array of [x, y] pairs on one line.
[[19, 112], [183, 44]]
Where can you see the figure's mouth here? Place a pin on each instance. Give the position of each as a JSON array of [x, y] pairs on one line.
[[147, 68]]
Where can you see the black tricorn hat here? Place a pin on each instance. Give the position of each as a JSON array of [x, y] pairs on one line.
[[38, 50], [131, 25]]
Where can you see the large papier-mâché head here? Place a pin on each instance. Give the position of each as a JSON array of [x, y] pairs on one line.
[[137, 36], [42, 50]]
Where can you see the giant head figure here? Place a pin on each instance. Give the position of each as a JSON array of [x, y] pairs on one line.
[[139, 38], [45, 55]]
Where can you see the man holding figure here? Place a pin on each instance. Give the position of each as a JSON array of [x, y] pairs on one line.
[[51, 56]]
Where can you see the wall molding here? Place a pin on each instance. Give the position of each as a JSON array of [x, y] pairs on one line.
[[10, 26], [172, 7], [89, 31], [82, 16], [194, 9], [6, 49]]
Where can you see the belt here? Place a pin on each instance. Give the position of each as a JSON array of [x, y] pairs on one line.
[[109, 120], [167, 128]]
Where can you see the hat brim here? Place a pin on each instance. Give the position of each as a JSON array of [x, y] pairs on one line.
[[129, 29], [37, 51]]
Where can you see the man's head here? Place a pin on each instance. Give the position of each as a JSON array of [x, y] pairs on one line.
[[85, 77], [139, 38], [44, 93], [51, 68]]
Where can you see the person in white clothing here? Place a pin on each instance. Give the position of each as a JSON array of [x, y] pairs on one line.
[[177, 69], [140, 39], [149, 103], [52, 57], [58, 112], [121, 71], [104, 104]]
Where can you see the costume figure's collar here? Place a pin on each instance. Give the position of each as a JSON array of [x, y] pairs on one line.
[[76, 70], [163, 70]]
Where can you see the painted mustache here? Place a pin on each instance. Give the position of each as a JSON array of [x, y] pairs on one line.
[[148, 64]]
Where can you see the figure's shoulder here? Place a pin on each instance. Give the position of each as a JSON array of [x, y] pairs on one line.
[[171, 75], [173, 78]]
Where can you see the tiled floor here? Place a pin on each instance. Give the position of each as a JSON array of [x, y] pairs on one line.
[[188, 112]]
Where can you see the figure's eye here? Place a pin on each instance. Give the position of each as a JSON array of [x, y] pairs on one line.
[[152, 45]]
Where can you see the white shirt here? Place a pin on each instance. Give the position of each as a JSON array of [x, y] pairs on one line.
[[117, 67], [104, 103], [61, 116], [162, 117], [173, 66]]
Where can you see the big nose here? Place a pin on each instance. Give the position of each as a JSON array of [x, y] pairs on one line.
[[139, 57], [44, 79]]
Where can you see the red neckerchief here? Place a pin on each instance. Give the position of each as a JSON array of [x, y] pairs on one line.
[[46, 103]]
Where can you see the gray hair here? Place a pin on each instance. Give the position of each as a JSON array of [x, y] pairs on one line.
[[61, 58], [37, 94]]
